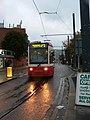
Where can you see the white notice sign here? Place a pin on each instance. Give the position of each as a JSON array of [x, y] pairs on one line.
[[83, 89]]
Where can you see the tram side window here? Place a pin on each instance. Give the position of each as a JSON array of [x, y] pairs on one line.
[[51, 56]]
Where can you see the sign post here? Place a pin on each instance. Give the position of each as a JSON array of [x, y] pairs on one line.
[[83, 89]]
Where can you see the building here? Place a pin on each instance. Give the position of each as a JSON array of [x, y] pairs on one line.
[[3, 32], [57, 54], [6, 58]]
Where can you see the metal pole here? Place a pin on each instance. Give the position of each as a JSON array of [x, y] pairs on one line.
[[68, 52], [85, 30], [74, 40], [78, 54], [62, 55]]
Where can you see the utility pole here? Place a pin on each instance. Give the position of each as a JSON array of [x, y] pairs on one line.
[[85, 33], [68, 52], [78, 42], [74, 40], [62, 55]]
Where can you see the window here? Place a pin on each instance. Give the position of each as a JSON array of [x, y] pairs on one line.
[[38, 55]]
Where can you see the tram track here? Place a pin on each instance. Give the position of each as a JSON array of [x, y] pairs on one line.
[[18, 95]]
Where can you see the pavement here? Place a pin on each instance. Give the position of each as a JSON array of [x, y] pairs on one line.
[[16, 72], [73, 111]]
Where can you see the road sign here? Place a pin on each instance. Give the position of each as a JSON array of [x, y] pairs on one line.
[[78, 46], [83, 89]]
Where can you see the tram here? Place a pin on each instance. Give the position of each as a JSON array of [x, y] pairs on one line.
[[40, 59]]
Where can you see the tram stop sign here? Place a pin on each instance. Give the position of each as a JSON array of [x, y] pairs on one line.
[[83, 89]]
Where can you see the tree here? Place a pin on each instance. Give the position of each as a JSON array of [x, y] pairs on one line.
[[17, 42], [70, 48]]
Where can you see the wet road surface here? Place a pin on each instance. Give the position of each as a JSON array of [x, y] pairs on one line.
[[34, 99]]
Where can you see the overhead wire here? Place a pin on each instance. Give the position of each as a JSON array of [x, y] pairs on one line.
[[36, 6], [40, 18], [63, 22], [60, 17], [43, 26], [58, 6], [56, 12]]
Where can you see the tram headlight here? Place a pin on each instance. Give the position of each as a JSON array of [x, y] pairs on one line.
[[46, 69], [31, 69]]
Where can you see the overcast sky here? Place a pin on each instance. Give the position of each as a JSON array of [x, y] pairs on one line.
[[13, 11]]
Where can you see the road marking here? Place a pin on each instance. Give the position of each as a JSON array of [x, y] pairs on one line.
[[60, 107]]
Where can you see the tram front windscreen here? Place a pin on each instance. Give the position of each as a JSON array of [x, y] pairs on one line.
[[38, 54]]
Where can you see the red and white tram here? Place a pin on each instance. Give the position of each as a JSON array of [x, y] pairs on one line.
[[40, 59]]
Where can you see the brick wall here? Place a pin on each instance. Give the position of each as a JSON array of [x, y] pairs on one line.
[[21, 62]]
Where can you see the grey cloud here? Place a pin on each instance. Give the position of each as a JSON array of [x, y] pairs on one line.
[[14, 11]]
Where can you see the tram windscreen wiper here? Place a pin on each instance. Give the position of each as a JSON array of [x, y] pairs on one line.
[[42, 61]]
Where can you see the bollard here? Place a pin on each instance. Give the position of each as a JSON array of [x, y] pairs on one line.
[[9, 71]]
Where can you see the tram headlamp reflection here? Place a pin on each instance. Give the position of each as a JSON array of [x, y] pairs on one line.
[[31, 69], [46, 69]]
